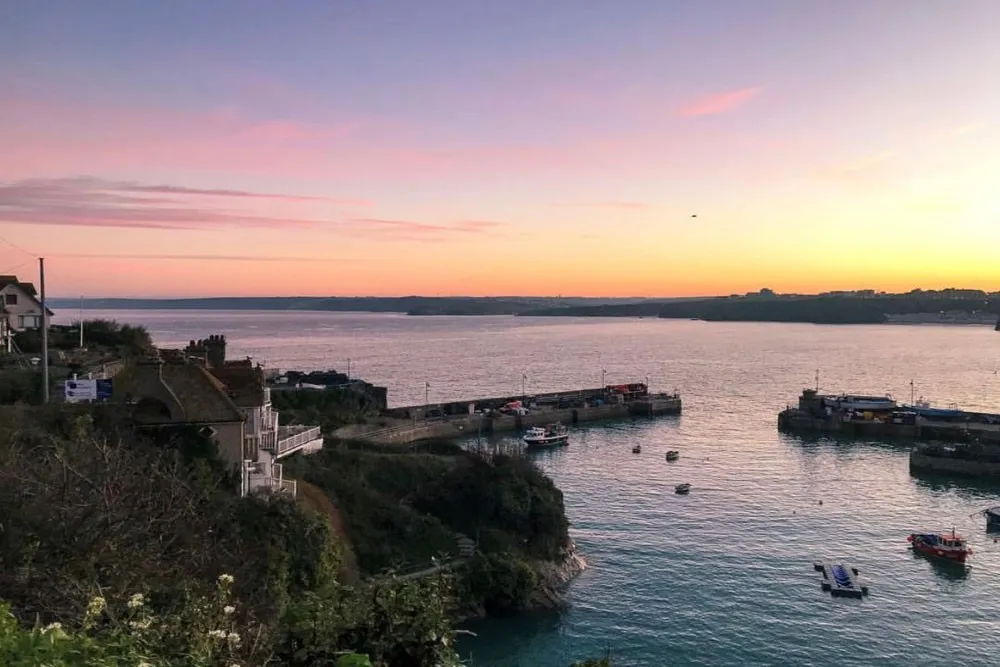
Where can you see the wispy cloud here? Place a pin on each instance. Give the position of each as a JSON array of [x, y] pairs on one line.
[[717, 103], [422, 231], [622, 205], [970, 128], [207, 258], [93, 202], [867, 162], [181, 190]]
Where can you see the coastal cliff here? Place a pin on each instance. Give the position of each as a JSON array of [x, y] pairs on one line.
[[554, 577]]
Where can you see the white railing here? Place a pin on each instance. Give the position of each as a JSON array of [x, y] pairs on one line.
[[264, 476], [297, 440]]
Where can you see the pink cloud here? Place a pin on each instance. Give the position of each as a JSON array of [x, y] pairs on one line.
[[181, 190], [622, 205], [211, 258], [93, 202], [421, 231], [717, 103]]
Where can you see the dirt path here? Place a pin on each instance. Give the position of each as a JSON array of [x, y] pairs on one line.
[[313, 497]]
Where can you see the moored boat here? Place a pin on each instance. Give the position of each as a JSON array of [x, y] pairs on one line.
[[949, 546], [549, 436], [992, 515], [682, 489], [673, 455], [863, 403], [637, 449]]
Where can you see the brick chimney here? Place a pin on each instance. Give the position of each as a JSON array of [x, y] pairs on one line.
[[215, 350]]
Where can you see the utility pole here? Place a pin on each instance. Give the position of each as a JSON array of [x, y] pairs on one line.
[[81, 321], [427, 396], [45, 333], [524, 379], [348, 369]]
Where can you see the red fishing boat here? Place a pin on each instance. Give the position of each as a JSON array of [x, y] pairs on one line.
[[948, 546]]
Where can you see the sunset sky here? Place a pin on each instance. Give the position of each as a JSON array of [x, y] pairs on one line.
[[254, 147]]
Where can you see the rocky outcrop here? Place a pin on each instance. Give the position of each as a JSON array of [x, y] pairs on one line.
[[554, 577]]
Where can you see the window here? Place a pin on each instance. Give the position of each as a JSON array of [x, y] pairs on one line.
[[20, 321], [10, 299]]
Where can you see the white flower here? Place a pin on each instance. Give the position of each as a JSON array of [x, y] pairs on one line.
[[226, 579], [136, 601], [229, 610], [52, 627], [96, 606], [217, 634], [144, 664], [140, 625], [233, 639]]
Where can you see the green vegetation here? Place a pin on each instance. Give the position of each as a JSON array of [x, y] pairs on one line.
[[330, 408], [123, 339], [20, 385], [865, 307], [414, 305], [89, 509], [405, 509], [124, 548]]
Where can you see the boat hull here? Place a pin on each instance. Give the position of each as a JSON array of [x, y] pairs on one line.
[[936, 551], [550, 441]]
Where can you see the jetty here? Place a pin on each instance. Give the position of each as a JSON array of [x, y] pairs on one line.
[[841, 579], [483, 416], [881, 416]]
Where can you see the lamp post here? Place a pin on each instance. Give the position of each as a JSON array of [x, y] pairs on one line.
[[604, 375], [647, 383], [348, 369], [427, 395], [524, 379]]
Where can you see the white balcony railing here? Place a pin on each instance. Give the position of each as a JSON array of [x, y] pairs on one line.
[[295, 437], [263, 476]]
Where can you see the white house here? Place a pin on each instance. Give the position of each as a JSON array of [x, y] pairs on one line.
[[20, 303]]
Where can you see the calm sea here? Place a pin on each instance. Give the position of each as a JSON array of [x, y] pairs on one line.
[[723, 576]]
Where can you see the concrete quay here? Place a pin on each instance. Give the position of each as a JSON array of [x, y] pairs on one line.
[[875, 417], [484, 416]]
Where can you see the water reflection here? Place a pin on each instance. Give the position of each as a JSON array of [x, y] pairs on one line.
[[943, 568], [815, 443], [968, 488]]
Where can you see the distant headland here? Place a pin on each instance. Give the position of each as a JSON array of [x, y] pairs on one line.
[[945, 306]]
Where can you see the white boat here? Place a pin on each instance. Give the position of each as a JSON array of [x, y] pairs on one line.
[[550, 436], [863, 403]]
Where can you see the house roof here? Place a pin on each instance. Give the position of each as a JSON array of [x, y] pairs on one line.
[[190, 393], [27, 288], [243, 382]]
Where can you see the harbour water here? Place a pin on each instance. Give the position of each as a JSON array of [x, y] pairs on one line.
[[724, 575]]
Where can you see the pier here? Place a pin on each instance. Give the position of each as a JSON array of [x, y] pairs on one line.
[[875, 416], [483, 416], [841, 579]]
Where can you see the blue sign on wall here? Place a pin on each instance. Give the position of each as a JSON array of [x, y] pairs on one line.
[[104, 390]]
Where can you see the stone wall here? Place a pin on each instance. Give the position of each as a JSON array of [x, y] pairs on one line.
[[920, 462]]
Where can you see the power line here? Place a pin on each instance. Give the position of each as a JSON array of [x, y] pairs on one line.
[[17, 247]]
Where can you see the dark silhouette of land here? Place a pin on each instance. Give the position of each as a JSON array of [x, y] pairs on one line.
[[951, 306]]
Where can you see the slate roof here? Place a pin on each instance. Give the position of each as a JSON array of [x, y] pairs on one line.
[[243, 382], [191, 393]]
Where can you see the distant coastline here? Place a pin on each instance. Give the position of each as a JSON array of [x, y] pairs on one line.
[[950, 306]]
